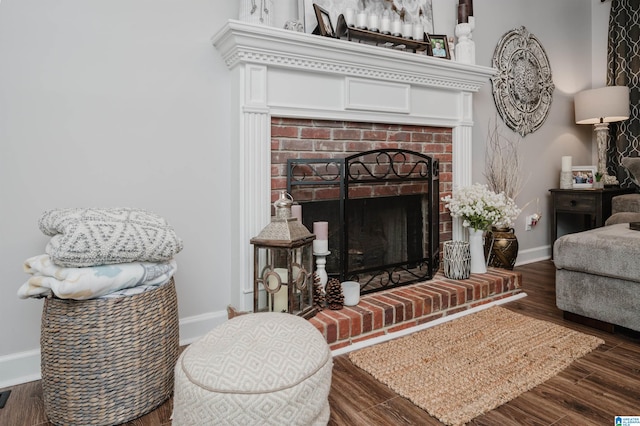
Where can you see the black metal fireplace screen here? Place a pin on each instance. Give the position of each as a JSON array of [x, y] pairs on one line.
[[383, 212]]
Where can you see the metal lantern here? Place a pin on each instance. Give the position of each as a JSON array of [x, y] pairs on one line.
[[283, 264]]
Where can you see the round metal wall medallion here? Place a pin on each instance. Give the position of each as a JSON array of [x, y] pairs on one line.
[[522, 87]]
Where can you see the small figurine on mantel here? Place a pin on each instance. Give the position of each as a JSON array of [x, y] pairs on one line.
[[452, 48], [294, 25]]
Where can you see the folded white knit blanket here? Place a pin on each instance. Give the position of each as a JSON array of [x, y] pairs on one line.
[[101, 236], [90, 282]]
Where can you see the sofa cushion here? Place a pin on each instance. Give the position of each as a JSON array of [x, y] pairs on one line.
[[633, 166], [611, 251], [625, 203]]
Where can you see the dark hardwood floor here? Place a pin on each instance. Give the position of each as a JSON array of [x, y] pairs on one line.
[[593, 390]]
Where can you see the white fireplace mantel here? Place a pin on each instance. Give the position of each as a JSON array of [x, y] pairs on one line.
[[283, 73]]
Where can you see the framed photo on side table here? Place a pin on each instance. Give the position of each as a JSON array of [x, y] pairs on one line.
[[583, 176], [325, 27], [438, 46]]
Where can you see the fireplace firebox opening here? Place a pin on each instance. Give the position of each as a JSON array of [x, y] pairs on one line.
[[383, 210]]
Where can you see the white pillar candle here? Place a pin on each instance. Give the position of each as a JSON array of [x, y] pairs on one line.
[[350, 16], [385, 25], [321, 243], [296, 211], [281, 298], [361, 19], [373, 22], [321, 229], [407, 30], [566, 163], [418, 31], [396, 28], [320, 246]]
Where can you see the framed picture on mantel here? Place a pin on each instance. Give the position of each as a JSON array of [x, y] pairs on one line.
[[439, 47], [307, 12], [325, 27]]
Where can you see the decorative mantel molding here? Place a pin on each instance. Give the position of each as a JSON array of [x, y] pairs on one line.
[[276, 72], [239, 43]]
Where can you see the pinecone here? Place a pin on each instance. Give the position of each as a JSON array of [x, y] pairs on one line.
[[318, 293], [334, 296]]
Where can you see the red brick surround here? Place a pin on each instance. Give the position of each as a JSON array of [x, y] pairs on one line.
[[303, 138], [396, 309]]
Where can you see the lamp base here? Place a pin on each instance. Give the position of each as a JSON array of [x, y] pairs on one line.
[[602, 138]]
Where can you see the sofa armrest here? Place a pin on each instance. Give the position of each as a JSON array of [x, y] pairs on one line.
[[624, 217]]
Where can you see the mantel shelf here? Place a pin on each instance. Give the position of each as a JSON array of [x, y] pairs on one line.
[[240, 42]]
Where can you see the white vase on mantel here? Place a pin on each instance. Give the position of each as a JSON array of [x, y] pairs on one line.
[[476, 247]]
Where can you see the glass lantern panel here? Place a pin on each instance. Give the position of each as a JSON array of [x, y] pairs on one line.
[[283, 279]]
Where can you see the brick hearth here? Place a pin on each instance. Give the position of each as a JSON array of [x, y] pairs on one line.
[[396, 309]]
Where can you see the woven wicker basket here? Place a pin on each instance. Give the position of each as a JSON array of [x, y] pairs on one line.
[[107, 361]]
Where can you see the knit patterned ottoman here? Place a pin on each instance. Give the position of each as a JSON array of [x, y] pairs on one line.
[[255, 369]]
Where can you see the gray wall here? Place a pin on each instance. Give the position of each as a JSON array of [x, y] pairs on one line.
[[125, 103], [564, 29], [113, 103]]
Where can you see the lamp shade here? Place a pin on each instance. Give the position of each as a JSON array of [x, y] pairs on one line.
[[603, 105]]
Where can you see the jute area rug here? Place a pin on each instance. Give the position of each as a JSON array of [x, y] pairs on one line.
[[461, 369]]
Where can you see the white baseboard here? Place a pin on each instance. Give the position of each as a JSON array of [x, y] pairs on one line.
[[532, 255], [192, 328], [23, 367], [20, 367]]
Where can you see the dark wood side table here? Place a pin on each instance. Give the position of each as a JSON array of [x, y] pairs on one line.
[[593, 206]]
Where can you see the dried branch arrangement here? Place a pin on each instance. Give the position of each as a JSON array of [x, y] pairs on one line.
[[503, 162]]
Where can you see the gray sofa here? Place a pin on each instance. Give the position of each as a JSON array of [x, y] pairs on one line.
[[598, 271], [598, 274]]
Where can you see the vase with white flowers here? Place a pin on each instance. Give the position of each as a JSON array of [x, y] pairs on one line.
[[503, 171], [480, 208]]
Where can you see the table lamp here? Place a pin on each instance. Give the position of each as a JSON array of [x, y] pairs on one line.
[[601, 107]]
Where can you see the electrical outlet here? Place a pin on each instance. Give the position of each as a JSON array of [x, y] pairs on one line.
[[531, 221]]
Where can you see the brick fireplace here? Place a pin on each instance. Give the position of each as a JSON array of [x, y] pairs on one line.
[[309, 138], [282, 78], [399, 227]]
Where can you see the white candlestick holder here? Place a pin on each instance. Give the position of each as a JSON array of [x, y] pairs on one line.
[[321, 272]]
